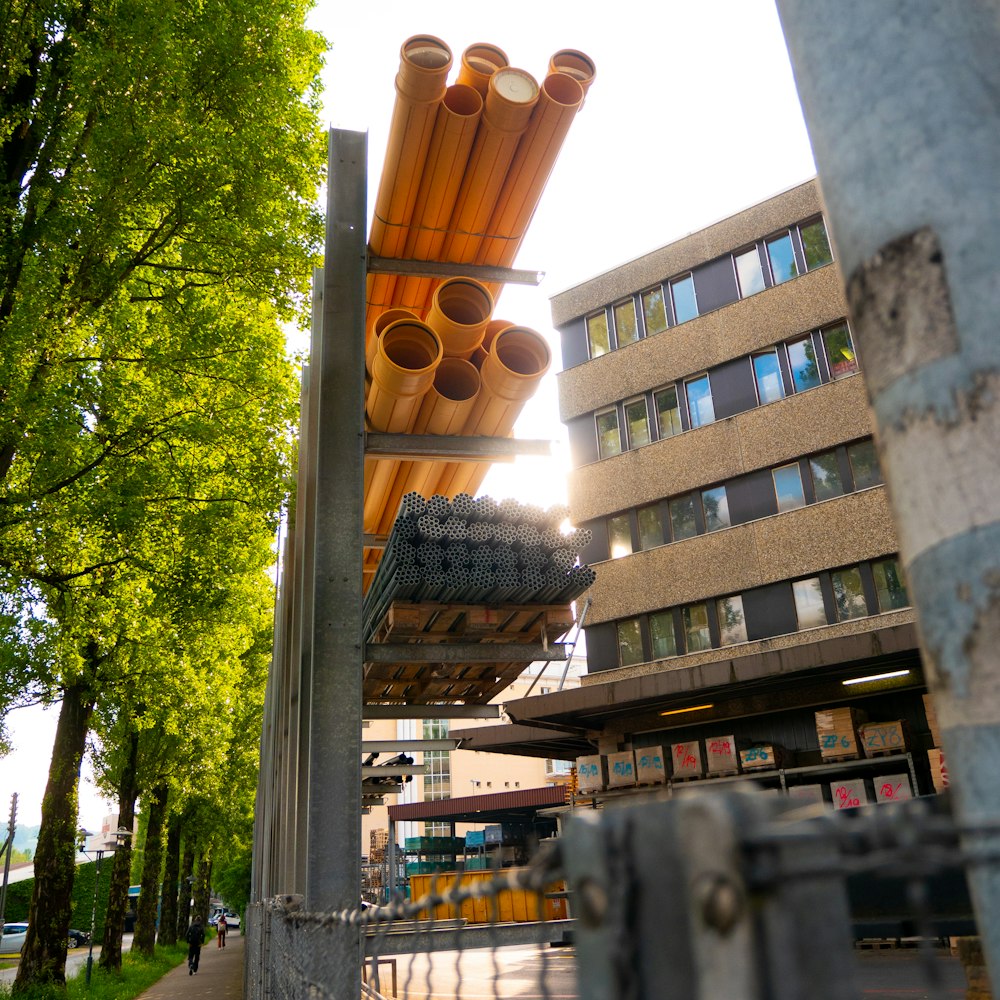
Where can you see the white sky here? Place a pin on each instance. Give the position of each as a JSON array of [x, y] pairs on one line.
[[693, 115]]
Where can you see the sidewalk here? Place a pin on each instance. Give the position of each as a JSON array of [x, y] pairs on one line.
[[220, 974]]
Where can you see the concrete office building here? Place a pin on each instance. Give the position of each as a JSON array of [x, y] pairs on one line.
[[723, 456]]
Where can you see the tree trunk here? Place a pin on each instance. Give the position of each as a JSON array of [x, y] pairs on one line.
[[186, 889], [203, 887], [167, 933], [144, 940], [114, 920], [43, 958]]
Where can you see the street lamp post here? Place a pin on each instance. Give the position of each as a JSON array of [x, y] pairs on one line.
[[121, 838]]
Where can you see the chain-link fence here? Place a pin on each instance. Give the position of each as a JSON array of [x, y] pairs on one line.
[[710, 896]]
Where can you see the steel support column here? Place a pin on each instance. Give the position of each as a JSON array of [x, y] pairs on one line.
[[333, 872], [901, 99]]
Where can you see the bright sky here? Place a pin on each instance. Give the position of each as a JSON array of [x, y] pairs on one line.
[[692, 116]]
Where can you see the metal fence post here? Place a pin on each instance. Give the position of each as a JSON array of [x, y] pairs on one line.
[[901, 102]]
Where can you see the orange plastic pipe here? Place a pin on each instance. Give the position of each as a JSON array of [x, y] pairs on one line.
[[459, 313], [515, 364], [376, 325], [510, 99], [479, 63], [492, 329], [445, 410], [403, 368], [424, 62], [576, 64], [451, 143], [529, 171]]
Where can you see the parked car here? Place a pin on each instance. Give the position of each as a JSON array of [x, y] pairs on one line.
[[77, 939], [12, 939], [232, 919]]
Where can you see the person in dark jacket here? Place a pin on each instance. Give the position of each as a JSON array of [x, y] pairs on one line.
[[195, 939]]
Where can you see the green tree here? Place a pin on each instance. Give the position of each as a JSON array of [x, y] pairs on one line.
[[158, 166]]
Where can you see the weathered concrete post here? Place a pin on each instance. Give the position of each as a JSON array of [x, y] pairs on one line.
[[902, 99]]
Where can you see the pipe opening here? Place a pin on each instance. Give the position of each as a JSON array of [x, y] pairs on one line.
[[574, 63], [427, 52], [464, 303], [456, 379], [461, 99], [484, 58], [563, 89], [409, 346], [521, 351]]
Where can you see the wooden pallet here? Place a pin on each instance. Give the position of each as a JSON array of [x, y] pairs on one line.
[[433, 623]]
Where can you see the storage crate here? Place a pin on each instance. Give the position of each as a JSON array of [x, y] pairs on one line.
[[505, 833], [881, 738], [848, 794], [932, 722], [621, 769], [762, 756], [806, 793], [475, 838], [837, 732], [592, 773], [686, 759], [939, 769], [650, 766], [721, 755], [893, 788]]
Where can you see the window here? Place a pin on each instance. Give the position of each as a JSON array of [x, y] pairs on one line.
[[864, 464], [619, 536], [802, 363], [816, 244], [848, 594], [696, 632], [650, 527], [609, 439], [661, 632], [685, 302], [781, 257], [699, 396], [629, 642], [598, 337], [626, 326], [826, 475], [437, 774], [749, 272], [809, 608], [668, 413], [637, 422], [788, 487], [840, 351], [767, 375], [682, 519], [716, 507], [732, 624], [889, 586], [654, 311]]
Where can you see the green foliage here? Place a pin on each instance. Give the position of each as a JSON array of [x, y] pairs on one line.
[[19, 896]]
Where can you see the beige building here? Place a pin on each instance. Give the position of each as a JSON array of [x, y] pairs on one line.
[[746, 557]]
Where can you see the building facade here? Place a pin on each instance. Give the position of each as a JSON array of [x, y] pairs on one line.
[[723, 456]]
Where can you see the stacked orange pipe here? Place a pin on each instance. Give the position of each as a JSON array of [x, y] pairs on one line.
[[460, 312], [514, 365], [454, 133], [479, 63], [529, 172], [424, 62]]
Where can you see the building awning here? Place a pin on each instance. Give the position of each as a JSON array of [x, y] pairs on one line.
[[518, 805]]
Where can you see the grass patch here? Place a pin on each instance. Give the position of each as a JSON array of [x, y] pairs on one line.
[[136, 976]]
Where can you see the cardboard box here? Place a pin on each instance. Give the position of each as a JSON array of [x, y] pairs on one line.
[[880, 738], [932, 722], [621, 769], [892, 787], [939, 769], [686, 760], [762, 756], [721, 754], [837, 732], [591, 773], [849, 794], [806, 793], [650, 766]]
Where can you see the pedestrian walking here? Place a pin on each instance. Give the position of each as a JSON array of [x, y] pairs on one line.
[[222, 927], [195, 939]]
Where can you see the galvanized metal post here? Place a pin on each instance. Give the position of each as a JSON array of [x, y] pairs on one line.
[[333, 859], [901, 98]]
